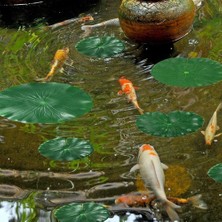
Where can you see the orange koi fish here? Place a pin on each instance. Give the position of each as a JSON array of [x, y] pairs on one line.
[[151, 171], [142, 200], [69, 21], [129, 90], [59, 59], [212, 127]]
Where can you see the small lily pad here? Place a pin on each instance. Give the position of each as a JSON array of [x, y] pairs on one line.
[[44, 102], [82, 212], [100, 47], [65, 149], [176, 123], [215, 172], [187, 72]]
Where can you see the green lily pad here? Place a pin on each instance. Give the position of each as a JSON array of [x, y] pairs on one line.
[[44, 102], [82, 212], [65, 149], [176, 123], [215, 172], [100, 47], [186, 72]]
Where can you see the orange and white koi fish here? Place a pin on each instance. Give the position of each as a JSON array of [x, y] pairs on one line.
[[69, 21], [129, 90], [212, 127], [151, 171], [88, 28], [59, 59], [142, 200]]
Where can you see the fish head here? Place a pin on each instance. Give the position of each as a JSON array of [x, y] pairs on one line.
[[208, 140], [148, 149], [123, 80]]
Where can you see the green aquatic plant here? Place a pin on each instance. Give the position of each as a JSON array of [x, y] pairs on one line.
[[82, 212], [44, 102], [187, 72], [65, 149], [215, 172], [176, 123], [100, 47]]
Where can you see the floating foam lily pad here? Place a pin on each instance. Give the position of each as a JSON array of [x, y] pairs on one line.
[[82, 212], [176, 123], [65, 149], [101, 47], [215, 172], [187, 72], [44, 102]]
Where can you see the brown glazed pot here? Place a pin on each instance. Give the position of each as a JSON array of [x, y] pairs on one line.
[[156, 21]]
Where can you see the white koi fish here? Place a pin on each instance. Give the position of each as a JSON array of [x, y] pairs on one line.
[[151, 170], [212, 127], [129, 90]]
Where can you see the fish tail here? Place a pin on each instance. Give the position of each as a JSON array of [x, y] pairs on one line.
[[219, 107], [171, 210], [141, 111], [198, 202]]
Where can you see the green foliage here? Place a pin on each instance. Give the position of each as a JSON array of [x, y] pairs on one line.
[[176, 123], [186, 72], [101, 47], [44, 103], [66, 149], [215, 172], [82, 212]]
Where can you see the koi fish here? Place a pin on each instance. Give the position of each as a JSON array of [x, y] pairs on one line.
[[88, 28], [151, 171], [142, 200], [59, 59], [212, 127], [69, 21], [129, 90]]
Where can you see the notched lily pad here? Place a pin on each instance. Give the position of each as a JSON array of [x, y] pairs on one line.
[[100, 47], [176, 123], [215, 172], [44, 102], [82, 212], [66, 149], [187, 72]]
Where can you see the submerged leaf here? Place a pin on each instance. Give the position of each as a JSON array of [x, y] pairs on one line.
[[176, 123], [82, 212], [65, 149], [44, 102], [187, 72], [215, 172], [101, 47]]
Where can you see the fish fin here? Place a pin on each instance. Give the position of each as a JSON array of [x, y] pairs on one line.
[[219, 134], [164, 166], [120, 92], [203, 132], [134, 168], [171, 210], [136, 87], [197, 202]]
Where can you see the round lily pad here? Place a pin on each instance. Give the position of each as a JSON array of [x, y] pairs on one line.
[[44, 102], [215, 172], [65, 149], [82, 212], [100, 47], [176, 123], [187, 72]]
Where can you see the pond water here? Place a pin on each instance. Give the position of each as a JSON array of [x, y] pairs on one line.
[[32, 186]]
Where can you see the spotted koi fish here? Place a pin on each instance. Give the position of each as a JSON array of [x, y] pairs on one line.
[[151, 171], [142, 200], [212, 127], [129, 90], [59, 59], [69, 21]]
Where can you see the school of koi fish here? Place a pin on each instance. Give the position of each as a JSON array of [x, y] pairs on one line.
[[149, 165]]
